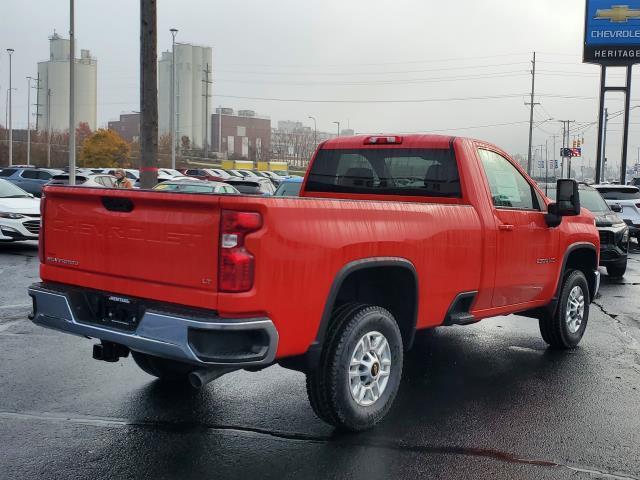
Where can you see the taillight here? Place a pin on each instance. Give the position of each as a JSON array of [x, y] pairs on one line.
[[237, 264], [43, 204]]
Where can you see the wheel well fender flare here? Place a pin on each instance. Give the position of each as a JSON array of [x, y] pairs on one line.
[[356, 266]]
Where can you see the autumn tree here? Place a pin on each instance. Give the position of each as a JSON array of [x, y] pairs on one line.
[[105, 148], [83, 132]]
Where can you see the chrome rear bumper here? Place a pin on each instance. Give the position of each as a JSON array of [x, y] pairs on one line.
[[166, 332]]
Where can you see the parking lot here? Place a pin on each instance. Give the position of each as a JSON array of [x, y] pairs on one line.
[[486, 401]]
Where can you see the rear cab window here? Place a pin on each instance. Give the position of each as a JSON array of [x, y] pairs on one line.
[[409, 172]]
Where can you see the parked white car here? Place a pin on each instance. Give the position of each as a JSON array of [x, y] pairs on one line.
[[19, 214], [86, 180]]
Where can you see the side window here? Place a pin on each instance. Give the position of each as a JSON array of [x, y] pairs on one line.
[[7, 172], [30, 174], [509, 189], [44, 175]]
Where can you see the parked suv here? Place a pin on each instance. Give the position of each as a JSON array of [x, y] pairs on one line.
[[614, 232], [628, 198], [30, 179]]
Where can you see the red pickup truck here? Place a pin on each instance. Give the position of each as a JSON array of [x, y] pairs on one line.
[[390, 235]]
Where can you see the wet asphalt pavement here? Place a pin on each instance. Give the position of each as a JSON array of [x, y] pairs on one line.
[[487, 401]]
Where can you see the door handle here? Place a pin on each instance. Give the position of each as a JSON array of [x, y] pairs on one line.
[[505, 228]]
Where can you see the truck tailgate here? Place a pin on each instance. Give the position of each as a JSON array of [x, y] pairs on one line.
[[155, 245]]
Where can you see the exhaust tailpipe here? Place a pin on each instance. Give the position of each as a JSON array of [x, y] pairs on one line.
[[200, 378]]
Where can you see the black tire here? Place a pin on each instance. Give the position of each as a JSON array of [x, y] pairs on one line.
[[617, 270], [554, 327], [165, 370], [328, 385]]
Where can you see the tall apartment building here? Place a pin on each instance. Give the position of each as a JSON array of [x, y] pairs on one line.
[[53, 91], [192, 85]]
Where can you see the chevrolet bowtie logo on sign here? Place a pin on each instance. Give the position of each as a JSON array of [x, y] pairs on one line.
[[618, 14], [612, 32]]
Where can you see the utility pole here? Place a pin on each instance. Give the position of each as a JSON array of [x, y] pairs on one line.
[[546, 166], [604, 145], [566, 126], [37, 104], [48, 128], [555, 152], [338, 123], [72, 95], [148, 94], [207, 82], [29, 119], [172, 102], [532, 104], [10, 52], [220, 130]]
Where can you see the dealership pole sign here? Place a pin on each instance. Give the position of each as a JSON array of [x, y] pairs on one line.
[[612, 39], [612, 32]]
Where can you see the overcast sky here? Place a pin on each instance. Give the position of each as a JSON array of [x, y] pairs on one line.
[[422, 53]]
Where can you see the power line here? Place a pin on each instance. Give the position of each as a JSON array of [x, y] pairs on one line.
[[455, 129], [515, 73], [342, 74], [340, 65], [418, 100]]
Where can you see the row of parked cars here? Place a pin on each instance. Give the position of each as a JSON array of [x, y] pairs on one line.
[[32, 179], [21, 187]]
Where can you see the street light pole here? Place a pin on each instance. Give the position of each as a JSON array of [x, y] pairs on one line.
[[48, 128], [338, 123], [29, 119], [10, 52], [174, 32], [315, 130], [72, 94]]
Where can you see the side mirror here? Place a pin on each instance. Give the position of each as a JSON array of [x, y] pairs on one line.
[[568, 198], [567, 202], [616, 207]]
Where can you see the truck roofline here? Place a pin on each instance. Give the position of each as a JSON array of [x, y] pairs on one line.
[[408, 141]]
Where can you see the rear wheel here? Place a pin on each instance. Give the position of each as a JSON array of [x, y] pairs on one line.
[[565, 327], [617, 270], [358, 376], [165, 370]]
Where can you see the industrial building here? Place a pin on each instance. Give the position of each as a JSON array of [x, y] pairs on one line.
[[193, 93], [244, 135], [128, 127], [53, 88]]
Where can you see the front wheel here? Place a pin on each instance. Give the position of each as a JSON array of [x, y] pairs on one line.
[[565, 327], [359, 372]]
